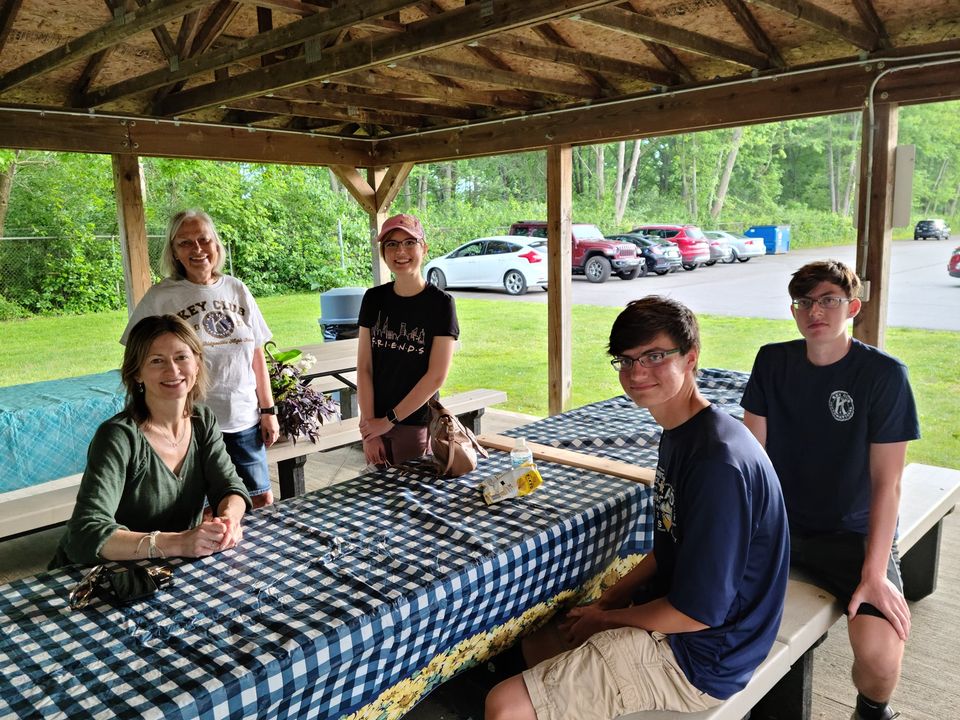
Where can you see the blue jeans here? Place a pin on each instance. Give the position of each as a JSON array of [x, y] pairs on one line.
[[249, 456]]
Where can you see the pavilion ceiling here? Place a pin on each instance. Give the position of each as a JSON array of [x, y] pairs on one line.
[[376, 82]]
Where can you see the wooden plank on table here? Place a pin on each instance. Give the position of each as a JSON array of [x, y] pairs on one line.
[[574, 459]]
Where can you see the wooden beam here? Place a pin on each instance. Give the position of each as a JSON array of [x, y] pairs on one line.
[[559, 269], [122, 28], [631, 23], [868, 14], [88, 75], [580, 59], [8, 13], [189, 26], [874, 231], [213, 26], [381, 273], [277, 106], [357, 186], [554, 38], [456, 27], [412, 88], [390, 185], [825, 20], [341, 98], [820, 92], [668, 58], [507, 78], [147, 137], [131, 219], [167, 46], [748, 23], [316, 29]]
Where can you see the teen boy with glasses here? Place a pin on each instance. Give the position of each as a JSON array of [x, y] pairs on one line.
[[835, 416], [687, 627]]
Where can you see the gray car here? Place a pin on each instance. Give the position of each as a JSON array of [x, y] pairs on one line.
[[743, 248]]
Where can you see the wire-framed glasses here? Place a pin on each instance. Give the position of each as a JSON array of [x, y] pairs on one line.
[[827, 302], [648, 359], [80, 595], [407, 244]]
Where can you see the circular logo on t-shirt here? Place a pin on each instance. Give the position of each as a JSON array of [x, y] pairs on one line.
[[841, 405], [218, 324]]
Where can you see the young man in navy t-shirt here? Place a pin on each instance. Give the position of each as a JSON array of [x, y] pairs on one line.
[[835, 416], [687, 627]]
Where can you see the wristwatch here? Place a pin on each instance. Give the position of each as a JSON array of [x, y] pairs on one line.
[[272, 410], [392, 416]]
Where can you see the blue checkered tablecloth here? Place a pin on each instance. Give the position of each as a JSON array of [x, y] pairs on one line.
[[45, 427], [619, 430], [331, 598]]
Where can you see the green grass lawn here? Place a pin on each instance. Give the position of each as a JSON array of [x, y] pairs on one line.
[[504, 346]]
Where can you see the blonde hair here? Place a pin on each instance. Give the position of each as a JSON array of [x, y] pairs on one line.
[[169, 263]]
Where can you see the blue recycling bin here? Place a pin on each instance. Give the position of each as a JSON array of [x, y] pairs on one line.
[[776, 238]]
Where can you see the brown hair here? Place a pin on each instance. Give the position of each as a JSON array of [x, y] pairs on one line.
[[644, 319], [835, 272], [169, 263], [139, 342]]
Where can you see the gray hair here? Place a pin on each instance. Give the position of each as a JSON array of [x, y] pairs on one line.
[[169, 265]]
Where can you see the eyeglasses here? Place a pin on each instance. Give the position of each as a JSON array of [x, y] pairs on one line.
[[408, 244], [648, 359], [827, 302], [185, 244]]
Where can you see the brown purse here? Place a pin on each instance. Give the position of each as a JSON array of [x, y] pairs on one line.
[[454, 447]]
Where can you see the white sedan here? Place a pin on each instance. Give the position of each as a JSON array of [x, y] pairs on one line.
[[503, 261], [743, 248]]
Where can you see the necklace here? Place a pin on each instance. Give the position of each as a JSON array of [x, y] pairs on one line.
[[168, 436]]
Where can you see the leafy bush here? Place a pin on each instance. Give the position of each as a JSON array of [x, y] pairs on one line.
[[9, 310]]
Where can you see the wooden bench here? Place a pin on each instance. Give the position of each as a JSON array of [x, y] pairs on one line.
[[51, 503], [782, 687], [290, 458]]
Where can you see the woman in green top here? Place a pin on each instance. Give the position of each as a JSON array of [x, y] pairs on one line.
[[150, 467]]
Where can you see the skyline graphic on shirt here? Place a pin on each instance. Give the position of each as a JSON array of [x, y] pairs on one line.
[[384, 336]]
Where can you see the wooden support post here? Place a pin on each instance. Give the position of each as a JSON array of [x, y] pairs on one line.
[[129, 187], [375, 194], [559, 300], [874, 232]]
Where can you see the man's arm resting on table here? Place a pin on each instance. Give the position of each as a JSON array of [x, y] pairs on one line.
[[886, 469]]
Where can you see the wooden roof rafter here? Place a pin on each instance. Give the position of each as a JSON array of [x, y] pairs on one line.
[[121, 28], [315, 29], [825, 20], [748, 23], [455, 27], [629, 22], [8, 13]]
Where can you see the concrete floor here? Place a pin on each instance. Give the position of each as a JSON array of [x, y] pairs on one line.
[[928, 689]]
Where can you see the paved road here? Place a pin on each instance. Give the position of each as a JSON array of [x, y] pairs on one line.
[[922, 295]]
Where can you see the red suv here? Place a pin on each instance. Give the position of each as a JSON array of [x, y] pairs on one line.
[[693, 244]]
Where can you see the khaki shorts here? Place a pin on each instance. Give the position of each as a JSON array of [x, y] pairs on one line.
[[614, 673]]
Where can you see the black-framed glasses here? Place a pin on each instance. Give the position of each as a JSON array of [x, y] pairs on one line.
[[827, 302], [407, 244], [648, 359]]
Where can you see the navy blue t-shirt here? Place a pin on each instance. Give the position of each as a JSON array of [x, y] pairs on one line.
[[722, 548], [821, 421], [402, 330]]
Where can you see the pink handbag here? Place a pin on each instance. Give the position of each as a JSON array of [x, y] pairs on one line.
[[454, 447]]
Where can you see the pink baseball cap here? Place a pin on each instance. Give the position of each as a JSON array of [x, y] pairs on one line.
[[407, 223]]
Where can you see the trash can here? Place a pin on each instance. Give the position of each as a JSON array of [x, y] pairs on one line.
[[340, 312], [776, 238]]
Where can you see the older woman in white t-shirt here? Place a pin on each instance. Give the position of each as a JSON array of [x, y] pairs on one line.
[[226, 318]]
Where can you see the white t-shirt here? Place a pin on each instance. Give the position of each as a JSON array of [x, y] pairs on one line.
[[230, 326]]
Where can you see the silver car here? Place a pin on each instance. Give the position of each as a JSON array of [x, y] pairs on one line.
[[743, 248]]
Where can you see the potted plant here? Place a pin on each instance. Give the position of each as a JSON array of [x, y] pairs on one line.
[[301, 410]]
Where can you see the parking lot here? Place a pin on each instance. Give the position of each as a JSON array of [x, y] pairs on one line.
[[922, 294]]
